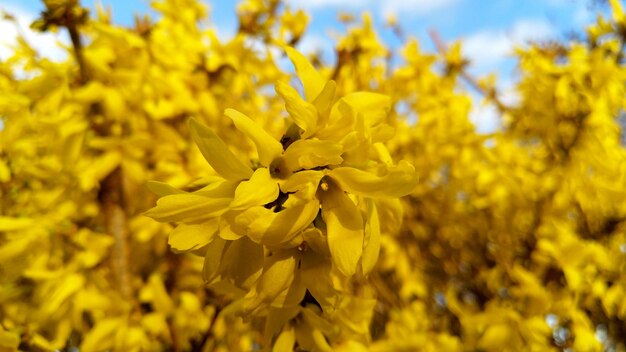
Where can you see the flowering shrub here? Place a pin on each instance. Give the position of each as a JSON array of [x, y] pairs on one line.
[[314, 216]]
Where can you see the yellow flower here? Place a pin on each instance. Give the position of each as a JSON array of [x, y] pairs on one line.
[[305, 211]]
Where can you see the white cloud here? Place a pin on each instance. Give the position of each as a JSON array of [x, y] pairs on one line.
[[319, 44], [531, 29], [415, 7], [410, 7], [489, 51], [313, 4], [488, 48], [46, 44], [485, 117], [312, 43]]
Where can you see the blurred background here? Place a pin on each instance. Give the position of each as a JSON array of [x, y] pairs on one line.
[[507, 234], [489, 30]]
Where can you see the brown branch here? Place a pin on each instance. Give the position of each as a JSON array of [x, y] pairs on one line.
[[78, 51], [68, 15], [111, 194], [111, 197], [399, 33], [489, 93]]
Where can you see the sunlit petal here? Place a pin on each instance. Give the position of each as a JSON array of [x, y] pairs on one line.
[[221, 159], [345, 229], [311, 153], [311, 79], [267, 147], [324, 102], [271, 228], [398, 181], [187, 208], [259, 190], [371, 247], [278, 274], [190, 237], [302, 112]]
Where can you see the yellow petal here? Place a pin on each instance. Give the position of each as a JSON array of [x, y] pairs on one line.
[[213, 259], [187, 208], [390, 214], [373, 106], [270, 228], [356, 147], [278, 274], [18, 246], [371, 246], [259, 190], [101, 335], [495, 337], [242, 262], [324, 102], [13, 224], [218, 189], [189, 237], [205, 182], [316, 241], [320, 341], [382, 153], [311, 79], [217, 154], [382, 133], [155, 323], [351, 346], [314, 273], [304, 183], [286, 340], [304, 336], [344, 227], [355, 314], [158, 295], [373, 109], [9, 341], [5, 174], [398, 181], [277, 318], [311, 153], [228, 227], [98, 169], [162, 189], [302, 112], [293, 295], [65, 288], [267, 147], [617, 11], [315, 321], [340, 122]]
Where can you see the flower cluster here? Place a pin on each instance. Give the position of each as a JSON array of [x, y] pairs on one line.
[[303, 212], [298, 221]]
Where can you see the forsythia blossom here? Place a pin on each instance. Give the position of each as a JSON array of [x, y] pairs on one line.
[[271, 227], [296, 222]]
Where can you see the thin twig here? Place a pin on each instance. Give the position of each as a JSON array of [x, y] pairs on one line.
[[78, 51], [489, 93], [111, 194], [115, 221], [18, 28]]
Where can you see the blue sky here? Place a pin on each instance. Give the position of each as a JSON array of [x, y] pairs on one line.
[[489, 28], [478, 21]]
